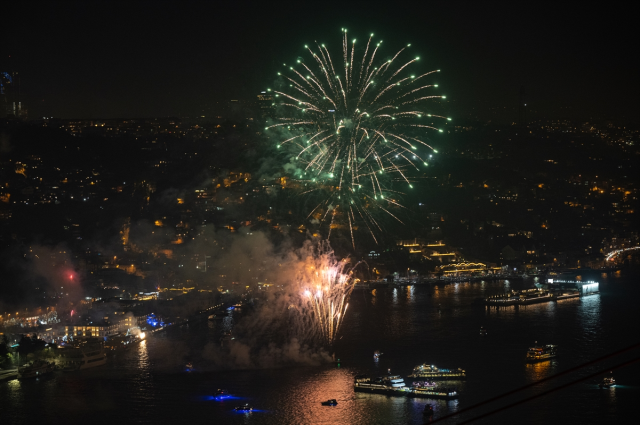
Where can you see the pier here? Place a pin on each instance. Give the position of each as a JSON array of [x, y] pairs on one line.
[[8, 374]]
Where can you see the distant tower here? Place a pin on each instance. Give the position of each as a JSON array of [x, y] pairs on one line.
[[10, 103], [522, 109], [265, 103]]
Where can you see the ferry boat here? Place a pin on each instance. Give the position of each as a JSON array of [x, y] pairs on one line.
[[394, 385], [35, 369], [432, 372], [539, 354], [380, 385], [82, 358]]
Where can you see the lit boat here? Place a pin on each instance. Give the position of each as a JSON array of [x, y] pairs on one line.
[[188, 367], [382, 385], [608, 382], [434, 392], [331, 402], [539, 354], [82, 358], [245, 408], [35, 369], [431, 372], [394, 385], [483, 331]]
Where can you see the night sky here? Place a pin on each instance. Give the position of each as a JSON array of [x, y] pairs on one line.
[[141, 59]]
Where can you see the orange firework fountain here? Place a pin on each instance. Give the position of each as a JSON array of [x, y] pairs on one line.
[[328, 284]]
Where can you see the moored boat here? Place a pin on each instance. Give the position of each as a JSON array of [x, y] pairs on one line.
[[36, 369], [73, 358]]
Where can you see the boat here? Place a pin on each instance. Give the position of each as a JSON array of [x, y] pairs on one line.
[[212, 317], [607, 382], [394, 385], [73, 358], [331, 402], [376, 355], [428, 410], [432, 372], [483, 331], [36, 369], [245, 408], [434, 392], [539, 354], [188, 367], [222, 394]]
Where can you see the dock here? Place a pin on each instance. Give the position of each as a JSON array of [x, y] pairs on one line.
[[6, 375]]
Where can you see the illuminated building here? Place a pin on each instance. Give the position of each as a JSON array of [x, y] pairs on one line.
[[265, 103]]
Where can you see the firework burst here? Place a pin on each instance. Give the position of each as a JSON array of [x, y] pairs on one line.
[[326, 285], [356, 124]]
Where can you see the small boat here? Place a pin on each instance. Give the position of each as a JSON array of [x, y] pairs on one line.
[[188, 367], [607, 382], [483, 331], [245, 408], [212, 317], [376, 355], [220, 394], [331, 402], [428, 410]]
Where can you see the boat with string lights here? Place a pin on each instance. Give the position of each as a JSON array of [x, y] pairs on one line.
[[394, 385], [432, 372]]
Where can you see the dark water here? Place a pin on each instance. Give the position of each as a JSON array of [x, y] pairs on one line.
[[410, 325]]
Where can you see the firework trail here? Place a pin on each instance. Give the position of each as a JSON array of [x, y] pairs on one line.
[[355, 125], [326, 284]]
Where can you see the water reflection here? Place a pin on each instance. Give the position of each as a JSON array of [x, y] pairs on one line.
[[539, 370], [143, 355]]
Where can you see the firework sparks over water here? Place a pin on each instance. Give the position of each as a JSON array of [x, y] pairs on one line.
[[355, 124], [326, 285]]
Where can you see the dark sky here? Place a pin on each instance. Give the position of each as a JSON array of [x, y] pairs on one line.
[[136, 58]]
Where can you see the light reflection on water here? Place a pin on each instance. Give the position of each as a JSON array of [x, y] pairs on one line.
[[437, 325]]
